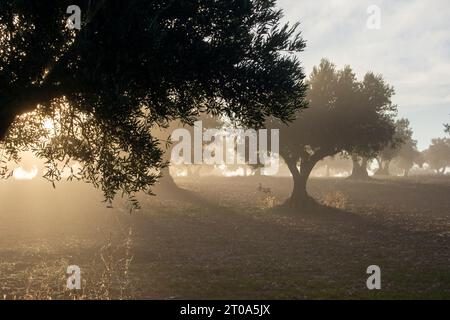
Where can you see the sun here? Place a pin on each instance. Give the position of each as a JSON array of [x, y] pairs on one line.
[[22, 174], [48, 124]]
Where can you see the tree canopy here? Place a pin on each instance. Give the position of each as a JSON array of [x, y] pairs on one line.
[[136, 65], [438, 154], [344, 115], [402, 143], [407, 156]]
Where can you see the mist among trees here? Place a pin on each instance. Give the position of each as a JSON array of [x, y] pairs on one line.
[[93, 110]]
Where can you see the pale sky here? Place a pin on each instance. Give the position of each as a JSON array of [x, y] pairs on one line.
[[411, 50]]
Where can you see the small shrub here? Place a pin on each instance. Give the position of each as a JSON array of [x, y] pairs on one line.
[[335, 199], [269, 200]]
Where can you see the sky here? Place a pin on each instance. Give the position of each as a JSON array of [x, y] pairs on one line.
[[411, 49]]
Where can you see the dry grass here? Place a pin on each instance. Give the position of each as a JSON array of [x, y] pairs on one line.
[[335, 199], [106, 277]]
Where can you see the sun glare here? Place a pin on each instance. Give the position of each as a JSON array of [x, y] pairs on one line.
[[22, 174], [48, 124]]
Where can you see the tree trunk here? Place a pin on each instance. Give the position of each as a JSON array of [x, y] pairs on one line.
[[383, 170], [364, 168], [406, 173], [299, 197], [166, 182], [380, 165], [257, 172], [328, 171], [386, 168], [380, 169], [359, 171]]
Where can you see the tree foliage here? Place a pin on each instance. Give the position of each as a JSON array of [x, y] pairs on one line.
[[344, 115], [402, 143], [136, 65], [408, 156], [437, 156]]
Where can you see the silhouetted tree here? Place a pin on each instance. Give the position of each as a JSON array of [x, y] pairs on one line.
[[338, 164], [136, 65], [403, 136], [407, 156], [343, 115], [208, 122], [378, 117], [438, 155]]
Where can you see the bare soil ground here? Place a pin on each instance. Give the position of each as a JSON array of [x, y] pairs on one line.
[[224, 240]]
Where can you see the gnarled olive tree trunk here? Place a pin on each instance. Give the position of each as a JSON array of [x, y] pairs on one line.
[[359, 171], [300, 198]]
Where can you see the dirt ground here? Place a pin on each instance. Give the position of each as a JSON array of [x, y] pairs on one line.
[[224, 240]]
